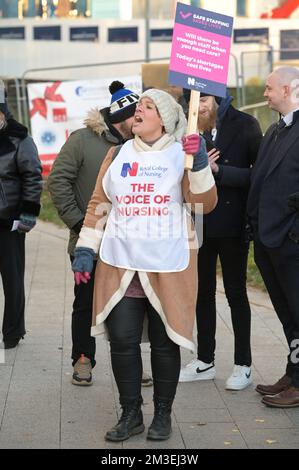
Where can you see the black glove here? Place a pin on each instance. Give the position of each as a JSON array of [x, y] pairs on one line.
[[27, 222], [293, 201]]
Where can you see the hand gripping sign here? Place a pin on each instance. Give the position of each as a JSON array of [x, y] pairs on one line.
[[199, 57]]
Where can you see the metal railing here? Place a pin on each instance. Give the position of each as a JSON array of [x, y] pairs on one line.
[[238, 77], [22, 98], [269, 54], [249, 107], [264, 117]]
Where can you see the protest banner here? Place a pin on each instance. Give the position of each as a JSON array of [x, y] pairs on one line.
[[199, 56], [59, 108]]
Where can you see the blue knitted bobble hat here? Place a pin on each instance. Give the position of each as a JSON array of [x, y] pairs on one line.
[[123, 102]]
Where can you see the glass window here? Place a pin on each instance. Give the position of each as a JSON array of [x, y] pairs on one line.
[[162, 10], [65, 8], [9, 8], [289, 39], [44, 8], [105, 9], [32, 8], [241, 7]]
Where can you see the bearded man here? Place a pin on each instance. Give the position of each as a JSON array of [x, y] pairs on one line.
[[233, 140]]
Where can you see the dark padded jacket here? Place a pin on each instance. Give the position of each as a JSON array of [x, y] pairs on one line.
[[20, 174], [75, 170]]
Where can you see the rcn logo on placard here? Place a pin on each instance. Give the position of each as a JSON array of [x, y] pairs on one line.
[[127, 168]]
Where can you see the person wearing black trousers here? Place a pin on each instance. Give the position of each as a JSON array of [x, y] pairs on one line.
[[273, 208], [20, 190], [71, 183], [233, 140], [146, 271]]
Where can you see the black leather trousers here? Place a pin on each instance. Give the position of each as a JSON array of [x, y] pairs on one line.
[[125, 326]]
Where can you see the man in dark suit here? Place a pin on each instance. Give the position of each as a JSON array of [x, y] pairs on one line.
[[275, 223], [233, 140]]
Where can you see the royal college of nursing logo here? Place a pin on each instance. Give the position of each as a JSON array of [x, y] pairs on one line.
[[128, 169]]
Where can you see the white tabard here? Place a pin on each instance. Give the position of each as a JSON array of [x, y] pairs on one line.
[[147, 227]]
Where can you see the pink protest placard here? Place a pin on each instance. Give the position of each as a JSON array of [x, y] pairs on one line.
[[200, 50]]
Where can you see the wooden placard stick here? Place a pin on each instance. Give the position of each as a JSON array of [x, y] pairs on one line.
[[192, 123], [192, 116]]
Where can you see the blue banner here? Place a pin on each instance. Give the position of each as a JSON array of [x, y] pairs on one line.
[[12, 32], [84, 33], [123, 34], [251, 36], [47, 33]]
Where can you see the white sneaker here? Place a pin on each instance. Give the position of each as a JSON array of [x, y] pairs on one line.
[[240, 378], [197, 370]]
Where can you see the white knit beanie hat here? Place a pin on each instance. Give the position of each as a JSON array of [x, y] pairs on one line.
[[171, 112]]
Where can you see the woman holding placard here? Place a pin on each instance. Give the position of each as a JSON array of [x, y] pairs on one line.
[[147, 265]]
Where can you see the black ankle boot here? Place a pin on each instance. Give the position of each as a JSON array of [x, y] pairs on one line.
[[160, 429], [130, 423]]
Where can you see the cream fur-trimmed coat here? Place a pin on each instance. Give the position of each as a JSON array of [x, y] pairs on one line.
[[173, 295]]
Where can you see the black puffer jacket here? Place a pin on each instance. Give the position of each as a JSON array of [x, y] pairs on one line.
[[20, 174]]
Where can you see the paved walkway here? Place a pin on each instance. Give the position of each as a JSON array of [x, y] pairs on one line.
[[39, 408]]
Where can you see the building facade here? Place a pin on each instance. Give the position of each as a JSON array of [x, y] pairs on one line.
[[134, 9], [38, 34]]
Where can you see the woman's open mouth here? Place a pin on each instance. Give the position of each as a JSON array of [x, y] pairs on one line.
[[138, 119]]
